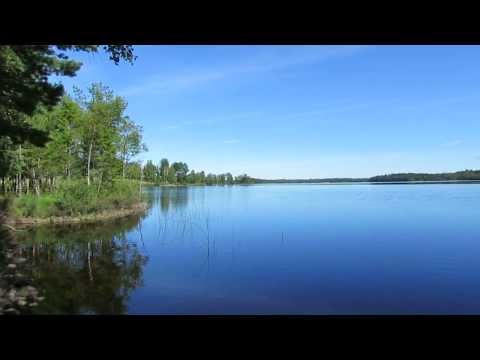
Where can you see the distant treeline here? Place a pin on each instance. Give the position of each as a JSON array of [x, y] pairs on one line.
[[455, 176], [466, 175], [178, 173], [306, 181]]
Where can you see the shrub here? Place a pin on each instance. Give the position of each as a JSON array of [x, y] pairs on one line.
[[33, 206], [24, 205], [73, 198], [46, 206]]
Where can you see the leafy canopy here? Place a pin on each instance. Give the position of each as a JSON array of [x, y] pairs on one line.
[[25, 86]]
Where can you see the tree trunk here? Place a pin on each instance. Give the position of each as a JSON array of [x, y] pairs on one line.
[[124, 158], [88, 162], [100, 183], [68, 162], [35, 183], [20, 169], [141, 178], [37, 178]]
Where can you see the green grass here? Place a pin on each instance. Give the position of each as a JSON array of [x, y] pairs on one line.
[[73, 198]]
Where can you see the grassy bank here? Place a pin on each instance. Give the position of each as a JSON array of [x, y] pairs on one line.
[[76, 199], [97, 217]]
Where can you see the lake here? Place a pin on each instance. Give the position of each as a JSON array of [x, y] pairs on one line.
[[271, 249]]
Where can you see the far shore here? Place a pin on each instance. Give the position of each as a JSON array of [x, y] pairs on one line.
[[307, 182]]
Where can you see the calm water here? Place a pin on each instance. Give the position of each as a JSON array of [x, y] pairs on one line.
[[272, 249]]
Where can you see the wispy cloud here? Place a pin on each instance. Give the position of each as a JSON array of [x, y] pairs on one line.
[[439, 102], [231, 117], [274, 59], [452, 143], [171, 127], [166, 83], [210, 120]]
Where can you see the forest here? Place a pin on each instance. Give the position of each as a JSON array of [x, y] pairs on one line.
[[72, 154], [465, 175], [87, 165], [309, 181]]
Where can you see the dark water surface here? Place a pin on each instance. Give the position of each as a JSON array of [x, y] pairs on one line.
[[271, 249]]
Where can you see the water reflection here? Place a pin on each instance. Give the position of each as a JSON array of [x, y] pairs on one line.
[[173, 197], [270, 249], [86, 269], [94, 269]]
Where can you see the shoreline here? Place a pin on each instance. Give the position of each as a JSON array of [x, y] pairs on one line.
[[18, 292], [413, 182], [306, 182], [82, 219]]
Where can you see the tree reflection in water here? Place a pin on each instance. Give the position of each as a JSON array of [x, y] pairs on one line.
[[174, 197], [85, 269]]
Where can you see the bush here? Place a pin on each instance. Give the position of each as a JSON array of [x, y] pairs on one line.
[[34, 206], [46, 206], [74, 198]]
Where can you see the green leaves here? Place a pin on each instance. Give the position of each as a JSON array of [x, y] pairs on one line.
[[129, 142], [25, 86]]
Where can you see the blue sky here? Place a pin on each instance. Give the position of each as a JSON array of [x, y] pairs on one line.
[[301, 111]]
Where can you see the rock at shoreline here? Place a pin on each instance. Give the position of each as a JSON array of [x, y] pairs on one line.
[[31, 289], [11, 295], [23, 292], [19, 260], [11, 311], [17, 295], [20, 281]]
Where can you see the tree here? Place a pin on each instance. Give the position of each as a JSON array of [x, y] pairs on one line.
[[164, 165], [6, 159], [211, 179], [244, 179], [181, 170], [133, 170], [150, 171], [171, 175], [200, 177], [64, 124], [100, 129], [59, 156], [229, 179], [24, 85], [191, 177], [130, 143]]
